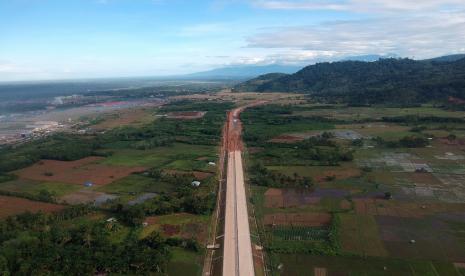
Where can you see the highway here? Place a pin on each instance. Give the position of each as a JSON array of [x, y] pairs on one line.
[[237, 247]]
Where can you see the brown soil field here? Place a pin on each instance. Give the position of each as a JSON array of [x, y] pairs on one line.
[[152, 220], [286, 139], [285, 198], [345, 205], [13, 206], [424, 178], [76, 172], [298, 219], [320, 271], [124, 117], [188, 115], [338, 174], [242, 98], [170, 230], [195, 231]]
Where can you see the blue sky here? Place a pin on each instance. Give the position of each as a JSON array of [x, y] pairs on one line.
[[58, 39]]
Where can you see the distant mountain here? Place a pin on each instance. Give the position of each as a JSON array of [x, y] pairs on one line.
[[449, 58], [402, 81], [369, 58], [255, 84], [245, 71]]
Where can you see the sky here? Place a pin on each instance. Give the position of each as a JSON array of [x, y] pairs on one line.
[[69, 39]]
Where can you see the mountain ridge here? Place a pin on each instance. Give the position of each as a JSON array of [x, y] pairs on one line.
[[386, 80]]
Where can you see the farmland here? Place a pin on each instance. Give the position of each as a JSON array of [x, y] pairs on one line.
[[335, 189], [130, 182], [341, 190]]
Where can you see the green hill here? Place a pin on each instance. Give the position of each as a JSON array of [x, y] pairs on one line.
[[391, 81]]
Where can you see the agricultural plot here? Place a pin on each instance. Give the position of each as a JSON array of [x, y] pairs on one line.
[[360, 235], [87, 197], [184, 262], [362, 113], [398, 234], [386, 131], [297, 219], [321, 173], [300, 233], [76, 172], [33, 187], [10, 206], [163, 156], [119, 118], [178, 225], [295, 264], [400, 209], [186, 115], [136, 184]]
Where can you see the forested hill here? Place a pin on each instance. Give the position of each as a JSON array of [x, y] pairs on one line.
[[398, 81]]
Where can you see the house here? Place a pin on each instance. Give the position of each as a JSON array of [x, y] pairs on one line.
[[195, 183]]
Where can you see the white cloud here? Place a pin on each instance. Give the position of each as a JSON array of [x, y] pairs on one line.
[[361, 5], [420, 37]]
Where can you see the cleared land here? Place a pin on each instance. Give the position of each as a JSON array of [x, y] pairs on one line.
[[76, 172], [10, 206]]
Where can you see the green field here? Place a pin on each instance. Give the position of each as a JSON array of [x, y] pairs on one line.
[[297, 264], [34, 187], [162, 156], [371, 238], [135, 184], [185, 262], [360, 113]]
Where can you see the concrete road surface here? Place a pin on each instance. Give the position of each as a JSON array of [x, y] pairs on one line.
[[237, 254]]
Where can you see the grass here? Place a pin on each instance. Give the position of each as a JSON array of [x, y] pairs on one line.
[[313, 171], [189, 165], [161, 157], [360, 113], [294, 264], [184, 262], [34, 187], [136, 184], [175, 219], [369, 236]]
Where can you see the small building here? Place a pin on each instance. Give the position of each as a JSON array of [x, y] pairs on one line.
[[89, 184], [195, 183], [211, 163], [112, 220]]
